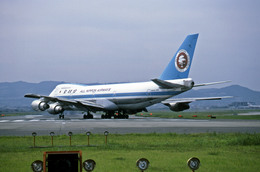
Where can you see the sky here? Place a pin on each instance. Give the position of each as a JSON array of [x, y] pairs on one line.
[[86, 41]]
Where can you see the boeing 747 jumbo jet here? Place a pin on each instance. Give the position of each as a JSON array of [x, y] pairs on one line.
[[119, 100]]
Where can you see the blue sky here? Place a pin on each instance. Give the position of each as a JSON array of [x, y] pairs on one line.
[[87, 41]]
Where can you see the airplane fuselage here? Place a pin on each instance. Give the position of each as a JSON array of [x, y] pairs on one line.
[[123, 96]]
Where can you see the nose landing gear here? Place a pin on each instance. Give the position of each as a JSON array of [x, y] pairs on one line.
[[61, 116]]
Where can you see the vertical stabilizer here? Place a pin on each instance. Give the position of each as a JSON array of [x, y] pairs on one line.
[[179, 65]]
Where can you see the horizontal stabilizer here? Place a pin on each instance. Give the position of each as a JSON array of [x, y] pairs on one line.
[[211, 83], [189, 100]]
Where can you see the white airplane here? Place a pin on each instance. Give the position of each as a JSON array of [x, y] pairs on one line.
[[119, 100]]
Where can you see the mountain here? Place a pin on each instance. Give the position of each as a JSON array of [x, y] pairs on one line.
[[239, 93], [12, 94]]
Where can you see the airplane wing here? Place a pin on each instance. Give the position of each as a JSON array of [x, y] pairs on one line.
[[77, 103]]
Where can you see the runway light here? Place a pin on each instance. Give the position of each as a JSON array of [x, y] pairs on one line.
[[151, 114], [180, 116], [89, 165], [194, 116], [193, 163], [106, 133], [37, 166], [70, 133], [142, 164]]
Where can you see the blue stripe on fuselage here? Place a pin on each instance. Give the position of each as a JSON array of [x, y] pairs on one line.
[[115, 95]]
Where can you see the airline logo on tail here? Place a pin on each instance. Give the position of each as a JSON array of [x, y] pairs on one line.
[[182, 60]]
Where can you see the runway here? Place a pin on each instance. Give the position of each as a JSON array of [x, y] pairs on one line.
[[44, 124]]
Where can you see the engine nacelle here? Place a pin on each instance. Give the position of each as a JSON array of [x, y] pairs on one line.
[[40, 105], [177, 107], [189, 83], [55, 109]]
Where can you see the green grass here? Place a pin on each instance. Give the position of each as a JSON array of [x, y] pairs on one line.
[[166, 152], [219, 114]]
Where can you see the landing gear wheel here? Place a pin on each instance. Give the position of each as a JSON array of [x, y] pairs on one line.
[[61, 116], [88, 116]]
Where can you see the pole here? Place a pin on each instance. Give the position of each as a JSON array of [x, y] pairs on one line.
[[70, 134], [106, 134], [34, 134], [34, 141]]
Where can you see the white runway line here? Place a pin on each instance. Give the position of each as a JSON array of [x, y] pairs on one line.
[[33, 116], [34, 120], [51, 120], [4, 120], [19, 120]]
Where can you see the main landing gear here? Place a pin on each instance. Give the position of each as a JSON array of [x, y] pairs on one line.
[[88, 116], [118, 115]]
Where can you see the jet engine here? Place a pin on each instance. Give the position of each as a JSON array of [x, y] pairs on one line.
[[177, 107], [40, 105], [189, 83], [55, 109]]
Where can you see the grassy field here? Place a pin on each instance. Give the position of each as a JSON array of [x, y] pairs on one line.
[[166, 152]]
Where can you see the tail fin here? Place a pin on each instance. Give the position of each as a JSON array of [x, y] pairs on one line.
[[179, 66]]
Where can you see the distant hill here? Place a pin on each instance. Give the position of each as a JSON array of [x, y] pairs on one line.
[[239, 93], [12, 94]]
